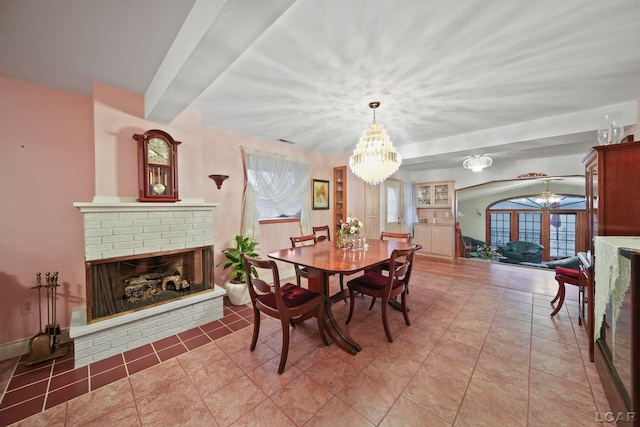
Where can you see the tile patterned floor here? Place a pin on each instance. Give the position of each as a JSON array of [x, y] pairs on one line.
[[481, 350]]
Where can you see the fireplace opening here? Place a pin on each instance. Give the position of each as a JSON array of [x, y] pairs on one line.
[[120, 285]]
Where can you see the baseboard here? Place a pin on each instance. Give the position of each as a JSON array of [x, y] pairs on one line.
[[19, 347]]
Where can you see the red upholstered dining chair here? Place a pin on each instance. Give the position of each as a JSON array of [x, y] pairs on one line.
[[309, 239], [386, 287], [571, 277], [322, 232], [287, 303]]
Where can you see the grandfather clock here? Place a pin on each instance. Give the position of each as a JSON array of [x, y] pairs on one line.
[[157, 166]]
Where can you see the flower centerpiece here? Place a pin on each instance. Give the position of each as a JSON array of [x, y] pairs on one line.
[[486, 251], [349, 231]]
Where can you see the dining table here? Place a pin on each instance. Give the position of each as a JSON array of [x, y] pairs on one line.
[[324, 259]]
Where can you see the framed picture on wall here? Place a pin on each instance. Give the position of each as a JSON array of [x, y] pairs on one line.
[[320, 194]]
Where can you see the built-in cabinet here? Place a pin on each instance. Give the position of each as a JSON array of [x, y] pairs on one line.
[[339, 196], [612, 175], [434, 207], [436, 239], [434, 194]]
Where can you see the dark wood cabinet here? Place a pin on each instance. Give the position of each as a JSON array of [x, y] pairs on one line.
[[612, 174]]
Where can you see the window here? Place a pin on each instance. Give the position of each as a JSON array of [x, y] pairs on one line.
[[277, 187], [554, 226], [529, 227], [500, 228]]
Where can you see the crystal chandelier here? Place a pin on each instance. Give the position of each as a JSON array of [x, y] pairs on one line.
[[547, 197], [374, 158], [477, 163]]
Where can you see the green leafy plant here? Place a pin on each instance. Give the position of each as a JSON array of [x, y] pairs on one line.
[[234, 261]]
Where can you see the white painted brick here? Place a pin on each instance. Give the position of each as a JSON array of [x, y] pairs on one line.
[[180, 227], [133, 215], [91, 225], [148, 236], [203, 213], [98, 232], [202, 226], [155, 242], [117, 224], [208, 220], [146, 222], [196, 232], [147, 250], [170, 234], [173, 221], [114, 253], [183, 239], [100, 248], [93, 240], [127, 230], [92, 256], [153, 229], [183, 214], [160, 214], [192, 221], [173, 247], [118, 239], [127, 245], [100, 216]]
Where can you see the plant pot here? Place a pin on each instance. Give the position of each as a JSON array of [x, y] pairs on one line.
[[238, 293]]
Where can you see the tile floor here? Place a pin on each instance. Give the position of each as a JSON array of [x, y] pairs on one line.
[[481, 351]]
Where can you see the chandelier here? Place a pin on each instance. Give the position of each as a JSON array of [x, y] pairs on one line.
[[374, 158], [477, 163], [547, 197]]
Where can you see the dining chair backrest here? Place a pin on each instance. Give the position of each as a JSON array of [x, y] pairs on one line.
[[309, 239], [388, 235], [324, 232]]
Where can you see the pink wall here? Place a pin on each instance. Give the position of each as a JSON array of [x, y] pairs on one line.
[[64, 148], [47, 165]]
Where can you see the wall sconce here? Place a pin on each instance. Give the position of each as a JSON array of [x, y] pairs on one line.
[[219, 179]]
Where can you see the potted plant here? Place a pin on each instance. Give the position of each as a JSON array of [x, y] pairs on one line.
[[236, 287]]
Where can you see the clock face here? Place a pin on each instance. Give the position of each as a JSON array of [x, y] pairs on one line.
[[158, 151]]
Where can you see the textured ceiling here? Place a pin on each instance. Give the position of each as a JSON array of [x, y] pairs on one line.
[[512, 79]]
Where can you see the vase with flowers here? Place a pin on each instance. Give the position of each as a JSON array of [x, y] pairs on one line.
[[349, 233], [487, 252]]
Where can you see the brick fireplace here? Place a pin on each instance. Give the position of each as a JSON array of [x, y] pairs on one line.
[[128, 241]]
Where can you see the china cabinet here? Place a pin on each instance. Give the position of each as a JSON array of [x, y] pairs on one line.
[[434, 194], [613, 209], [613, 204], [339, 196]]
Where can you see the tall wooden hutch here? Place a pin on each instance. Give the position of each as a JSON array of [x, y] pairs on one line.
[[339, 196], [612, 175]]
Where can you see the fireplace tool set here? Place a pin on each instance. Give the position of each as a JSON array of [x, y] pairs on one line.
[[44, 345]]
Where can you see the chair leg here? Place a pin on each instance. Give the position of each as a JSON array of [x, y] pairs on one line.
[[557, 294], [298, 280], [256, 328], [285, 344], [405, 311], [561, 292], [385, 323], [373, 301], [351, 304]]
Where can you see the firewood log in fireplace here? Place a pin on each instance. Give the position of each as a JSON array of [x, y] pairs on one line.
[[145, 286]]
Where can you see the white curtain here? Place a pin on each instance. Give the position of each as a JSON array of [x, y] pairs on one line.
[[410, 213], [275, 185]]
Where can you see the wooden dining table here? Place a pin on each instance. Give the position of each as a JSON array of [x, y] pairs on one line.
[[324, 259]]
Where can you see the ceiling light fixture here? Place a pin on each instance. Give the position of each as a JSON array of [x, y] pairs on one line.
[[547, 197], [477, 163], [374, 158]]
